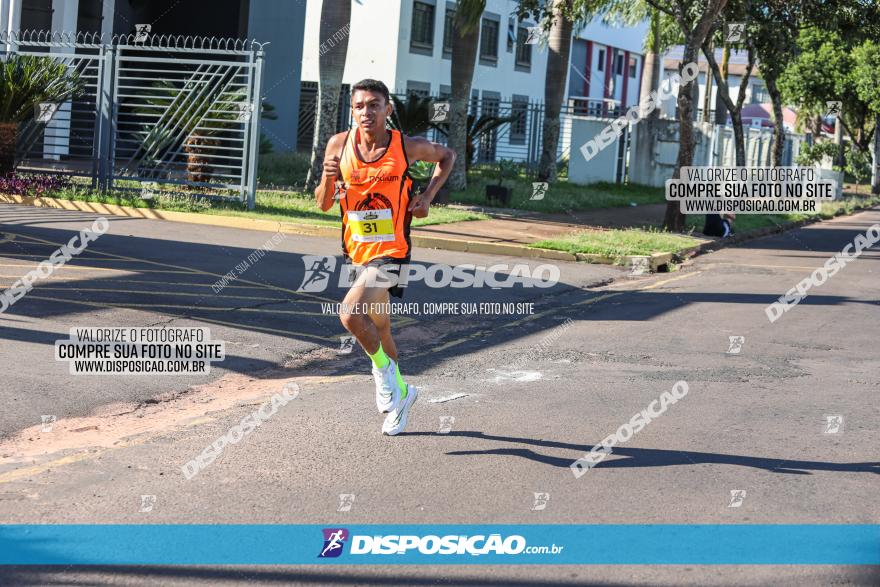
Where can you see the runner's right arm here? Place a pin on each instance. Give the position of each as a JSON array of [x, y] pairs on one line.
[[325, 190]]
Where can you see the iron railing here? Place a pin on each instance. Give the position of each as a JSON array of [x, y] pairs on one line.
[[519, 141], [168, 109]]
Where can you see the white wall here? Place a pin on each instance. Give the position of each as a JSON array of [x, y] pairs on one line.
[[629, 39], [603, 165], [372, 44], [502, 78], [391, 60], [733, 81]]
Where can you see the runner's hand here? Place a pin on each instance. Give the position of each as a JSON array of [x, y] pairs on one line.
[[419, 205], [331, 167]]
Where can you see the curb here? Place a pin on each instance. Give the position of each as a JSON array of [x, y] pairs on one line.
[[430, 242], [153, 214], [657, 261], [717, 243]]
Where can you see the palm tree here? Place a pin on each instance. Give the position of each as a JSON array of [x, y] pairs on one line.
[[476, 128], [335, 20], [193, 117], [559, 45], [464, 56], [695, 22], [413, 116], [25, 82]]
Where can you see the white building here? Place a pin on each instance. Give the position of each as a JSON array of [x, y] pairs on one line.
[[756, 90], [413, 50], [606, 64], [416, 49]]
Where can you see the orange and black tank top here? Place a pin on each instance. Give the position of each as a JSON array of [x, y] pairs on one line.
[[375, 219]]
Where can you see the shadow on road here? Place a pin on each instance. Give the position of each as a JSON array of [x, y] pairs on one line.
[[649, 457], [180, 280]]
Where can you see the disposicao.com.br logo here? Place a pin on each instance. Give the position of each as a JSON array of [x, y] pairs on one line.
[[430, 544], [319, 273]]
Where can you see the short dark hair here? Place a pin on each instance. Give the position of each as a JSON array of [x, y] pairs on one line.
[[372, 85]]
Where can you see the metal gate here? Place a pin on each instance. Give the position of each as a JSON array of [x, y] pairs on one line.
[[179, 111], [63, 138]]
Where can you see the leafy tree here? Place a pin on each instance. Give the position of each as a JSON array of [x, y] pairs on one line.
[[737, 11], [558, 18], [695, 19], [662, 34], [866, 78], [775, 25], [823, 71]]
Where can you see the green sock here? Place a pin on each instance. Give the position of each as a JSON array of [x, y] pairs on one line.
[[400, 382], [379, 358]]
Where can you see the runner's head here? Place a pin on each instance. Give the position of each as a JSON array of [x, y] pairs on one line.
[[370, 105]]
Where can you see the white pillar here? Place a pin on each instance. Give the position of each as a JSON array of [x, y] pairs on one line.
[[10, 18], [109, 14], [57, 139]]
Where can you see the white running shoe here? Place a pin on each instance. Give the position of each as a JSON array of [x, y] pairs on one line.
[[387, 390], [395, 422]]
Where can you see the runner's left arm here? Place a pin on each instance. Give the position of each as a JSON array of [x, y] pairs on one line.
[[421, 149]]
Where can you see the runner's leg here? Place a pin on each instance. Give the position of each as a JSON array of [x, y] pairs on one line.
[[382, 320], [355, 315]]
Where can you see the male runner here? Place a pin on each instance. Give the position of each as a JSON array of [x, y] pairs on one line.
[[368, 167]]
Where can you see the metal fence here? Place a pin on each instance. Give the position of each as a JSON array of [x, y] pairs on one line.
[[182, 111], [519, 140]]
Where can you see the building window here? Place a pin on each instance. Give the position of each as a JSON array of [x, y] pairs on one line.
[[36, 15], [421, 89], [601, 59], [519, 110], [488, 141], [632, 67], [759, 94], [618, 65], [489, 42], [523, 51], [90, 16], [448, 32], [422, 38]]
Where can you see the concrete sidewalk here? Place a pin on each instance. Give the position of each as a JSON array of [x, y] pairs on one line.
[[509, 232]]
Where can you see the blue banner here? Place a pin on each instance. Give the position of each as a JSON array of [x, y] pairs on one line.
[[248, 544]]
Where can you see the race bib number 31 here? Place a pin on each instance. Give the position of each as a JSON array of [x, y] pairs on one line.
[[371, 226]]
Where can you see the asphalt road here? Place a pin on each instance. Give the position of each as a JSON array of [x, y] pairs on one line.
[[534, 392]]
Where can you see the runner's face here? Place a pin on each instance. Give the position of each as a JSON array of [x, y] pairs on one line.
[[370, 110]]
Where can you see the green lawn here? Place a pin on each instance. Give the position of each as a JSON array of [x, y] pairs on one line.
[[270, 205], [290, 203], [561, 195], [289, 170], [617, 243]]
